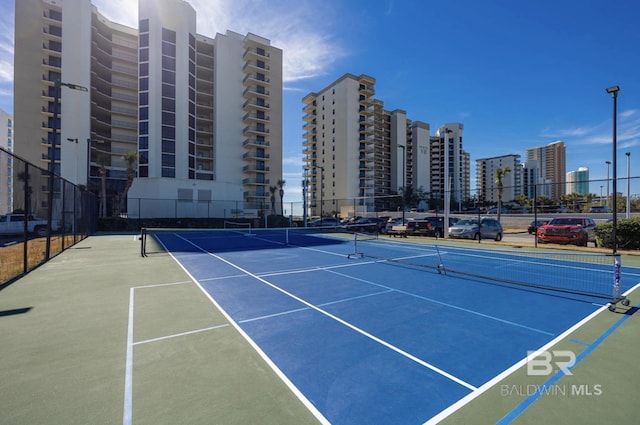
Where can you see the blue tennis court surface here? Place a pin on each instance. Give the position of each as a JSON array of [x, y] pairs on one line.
[[367, 340]]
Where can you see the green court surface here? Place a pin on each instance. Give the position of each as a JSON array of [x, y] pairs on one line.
[[101, 335]]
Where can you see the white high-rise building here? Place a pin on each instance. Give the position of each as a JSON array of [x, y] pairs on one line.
[[450, 165], [511, 182], [6, 165], [202, 114], [578, 181]]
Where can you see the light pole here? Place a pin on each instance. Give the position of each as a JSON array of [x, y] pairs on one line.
[[52, 157], [404, 181], [614, 94], [321, 190], [608, 166], [628, 213], [601, 194], [304, 199]]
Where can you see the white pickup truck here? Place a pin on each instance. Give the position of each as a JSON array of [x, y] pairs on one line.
[[13, 224]]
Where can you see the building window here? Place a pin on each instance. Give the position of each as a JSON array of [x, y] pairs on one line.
[[168, 49], [168, 35], [168, 63], [144, 69], [143, 40]]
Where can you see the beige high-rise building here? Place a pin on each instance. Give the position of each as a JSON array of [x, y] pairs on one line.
[[552, 163], [202, 114], [71, 42], [359, 156]]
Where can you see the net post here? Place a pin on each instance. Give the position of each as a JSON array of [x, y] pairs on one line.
[[143, 240], [355, 247]]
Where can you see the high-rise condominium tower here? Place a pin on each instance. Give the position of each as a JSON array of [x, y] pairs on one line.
[[552, 162], [203, 115], [359, 156]]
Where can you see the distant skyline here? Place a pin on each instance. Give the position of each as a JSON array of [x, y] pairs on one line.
[[517, 75]]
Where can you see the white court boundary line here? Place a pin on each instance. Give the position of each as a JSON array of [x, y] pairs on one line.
[[127, 414], [313, 409], [491, 383], [339, 320]]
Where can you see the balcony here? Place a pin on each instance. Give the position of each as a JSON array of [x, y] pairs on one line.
[[255, 52], [251, 142], [254, 117], [255, 168], [252, 66], [254, 78], [255, 155], [255, 104], [251, 130], [256, 181], [254, 91]]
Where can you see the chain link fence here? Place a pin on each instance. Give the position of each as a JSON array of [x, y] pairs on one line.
[[37, 223]]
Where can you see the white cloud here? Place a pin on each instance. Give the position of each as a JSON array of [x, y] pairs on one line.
[[123, 12]]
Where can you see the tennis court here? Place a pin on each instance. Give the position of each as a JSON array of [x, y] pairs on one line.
[[383, 331]]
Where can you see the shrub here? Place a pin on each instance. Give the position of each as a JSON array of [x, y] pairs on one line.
[[627, 234]]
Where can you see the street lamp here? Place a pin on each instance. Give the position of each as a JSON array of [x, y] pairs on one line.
[[614, 94], [52, 156], [608, 164], [628, 213], [404, 181], [601, 194], [321, 191], [304, 199]]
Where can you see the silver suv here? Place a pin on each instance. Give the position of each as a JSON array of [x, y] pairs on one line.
[[486, 228]]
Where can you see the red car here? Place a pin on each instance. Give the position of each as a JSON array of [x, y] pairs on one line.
[[568, 230]]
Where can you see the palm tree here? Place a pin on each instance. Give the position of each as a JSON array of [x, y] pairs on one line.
[[131, 158], [103, 161], [281, 184], [500, 174], [24, 177], [272, 190]]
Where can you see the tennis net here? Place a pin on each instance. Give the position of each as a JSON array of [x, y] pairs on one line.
[[232, 238], [588, 274]]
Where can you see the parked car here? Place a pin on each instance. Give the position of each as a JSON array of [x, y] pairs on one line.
[[568, 230], [503, 210], [363, 224], [429, 226], [600, 209], [324, 222], [486, 228], [533, 226]]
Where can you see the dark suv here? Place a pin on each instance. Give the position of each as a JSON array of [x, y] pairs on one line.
[[429, 226]]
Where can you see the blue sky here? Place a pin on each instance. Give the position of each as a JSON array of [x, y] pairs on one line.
[[516, 74]]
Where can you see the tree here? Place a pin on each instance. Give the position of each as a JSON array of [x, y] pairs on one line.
[[523, 200], [131, 158], [281, 184], [103, 160], [500, 174], [24, 177], [272, 190]]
